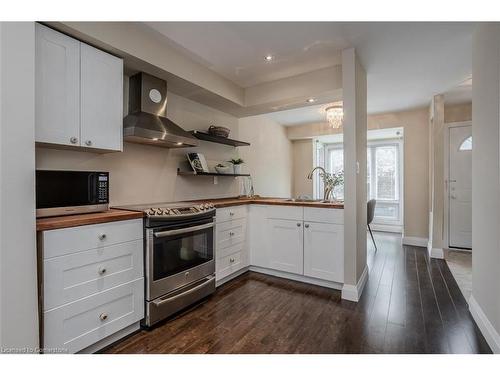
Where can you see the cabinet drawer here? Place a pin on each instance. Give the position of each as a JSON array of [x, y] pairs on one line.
[[285, 212], [71, 277], [71, 240], [231, 233], [228, 265], [224, 252], [80, 324], [229, 213], [324, 215]]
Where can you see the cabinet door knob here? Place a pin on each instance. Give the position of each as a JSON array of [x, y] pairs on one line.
[[102, 236], [103, 316], [231, 260], [231, 234], [102, 270], [306, 225], [73, 140], [231, 214], [298, 224], [88, 143]]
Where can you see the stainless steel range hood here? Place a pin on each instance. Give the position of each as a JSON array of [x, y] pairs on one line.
[[147, 120]]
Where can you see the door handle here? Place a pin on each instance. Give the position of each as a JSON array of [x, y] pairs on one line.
[[170, 299], [183, 230]]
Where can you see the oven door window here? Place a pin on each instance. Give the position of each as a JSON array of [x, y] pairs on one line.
[[179, 252]]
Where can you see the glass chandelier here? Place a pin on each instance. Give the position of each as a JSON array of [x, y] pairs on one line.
[[335, 116]]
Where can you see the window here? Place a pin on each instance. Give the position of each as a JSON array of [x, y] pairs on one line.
[[466, 144], [383, 174]]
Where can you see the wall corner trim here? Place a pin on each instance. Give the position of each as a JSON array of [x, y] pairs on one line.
[[434, 252], [415, 241], [353, 292], [490, 334]]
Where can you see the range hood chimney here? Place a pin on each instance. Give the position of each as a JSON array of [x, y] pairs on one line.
[[147, 120]]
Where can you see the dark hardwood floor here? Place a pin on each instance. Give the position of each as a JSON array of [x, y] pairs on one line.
[[409, 305]]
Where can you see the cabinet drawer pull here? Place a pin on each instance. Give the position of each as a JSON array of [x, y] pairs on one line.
[[231, 234], [102, 236], [88, 143], [306, 225], [73, 140], [102, 270], [103, 316], [231, 260], [298, 224], [231, 214]]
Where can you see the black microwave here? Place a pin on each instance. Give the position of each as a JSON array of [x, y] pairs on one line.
[[71, 192]]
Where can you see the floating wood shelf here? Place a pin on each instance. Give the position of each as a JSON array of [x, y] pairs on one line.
[[213, 138], [193, 173]]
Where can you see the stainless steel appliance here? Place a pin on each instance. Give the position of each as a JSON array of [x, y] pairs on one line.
[[71, 192], [179, 256], [147, 120]]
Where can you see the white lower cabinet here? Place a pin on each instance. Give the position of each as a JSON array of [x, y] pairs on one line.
[[285, 241], [324, 251], [93, 283]]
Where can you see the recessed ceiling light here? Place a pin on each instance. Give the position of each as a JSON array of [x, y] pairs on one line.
[[155, 139], [269, 57], [311, 100], [179, 143]]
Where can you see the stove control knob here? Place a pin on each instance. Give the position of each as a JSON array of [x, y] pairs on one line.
[[150, 212], [160, 211], [211, 205], [200, 207]]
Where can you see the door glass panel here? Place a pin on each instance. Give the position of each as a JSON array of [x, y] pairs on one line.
[[386, 172], [466, 144], [178, 253]]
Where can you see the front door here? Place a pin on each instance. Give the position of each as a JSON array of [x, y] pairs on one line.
[[460, 187]]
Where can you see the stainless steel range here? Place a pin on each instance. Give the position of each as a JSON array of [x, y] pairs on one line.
[[179, 256]]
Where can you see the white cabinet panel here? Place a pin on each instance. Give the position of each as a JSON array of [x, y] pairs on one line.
[[230, 213], [74, 276], [285, 251], [324, 215], [71, 240], [231, 233], [229, 264], [285, 212], [258, 236], [101, 99], [57, 94], [79, 324], [324, 251]]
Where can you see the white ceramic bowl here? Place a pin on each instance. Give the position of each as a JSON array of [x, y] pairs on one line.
[[223, 170]]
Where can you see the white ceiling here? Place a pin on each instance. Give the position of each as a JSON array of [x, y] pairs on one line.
[[406, 63]]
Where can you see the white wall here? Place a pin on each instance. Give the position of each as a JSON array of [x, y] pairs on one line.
[[18, 283], [355, 133], [269, 158], [145, 174], [485, 300]]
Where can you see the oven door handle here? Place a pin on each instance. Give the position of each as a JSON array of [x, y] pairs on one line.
[[183, 230], [189, 291]]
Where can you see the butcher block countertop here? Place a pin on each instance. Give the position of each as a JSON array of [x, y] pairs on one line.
[[58, 222], [228, 202]]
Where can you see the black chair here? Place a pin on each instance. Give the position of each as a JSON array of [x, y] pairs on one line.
[[369, 218]]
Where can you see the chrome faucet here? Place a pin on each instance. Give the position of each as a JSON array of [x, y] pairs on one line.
[[327, 188]]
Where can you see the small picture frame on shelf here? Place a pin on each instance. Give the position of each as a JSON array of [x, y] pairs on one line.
[[198, 162]]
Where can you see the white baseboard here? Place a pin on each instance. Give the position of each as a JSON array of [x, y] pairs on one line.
[[490, 334], [218, 283], [291, 276], [415, 241], [136, 327], [387, 228], [353, 292]]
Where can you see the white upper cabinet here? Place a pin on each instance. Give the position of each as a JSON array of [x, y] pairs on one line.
[[57, 98], [79, 93], [324, 251], [101, 99], [285, 245]]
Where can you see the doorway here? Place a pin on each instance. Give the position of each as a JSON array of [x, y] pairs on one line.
[[458, 186]]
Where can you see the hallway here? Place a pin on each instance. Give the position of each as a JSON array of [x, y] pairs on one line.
[[408, 306]]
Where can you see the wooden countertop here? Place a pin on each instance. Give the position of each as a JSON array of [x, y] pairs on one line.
[[235, 201], [58, 222]]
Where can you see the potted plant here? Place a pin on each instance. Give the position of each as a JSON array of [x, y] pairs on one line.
[[236, 165]]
